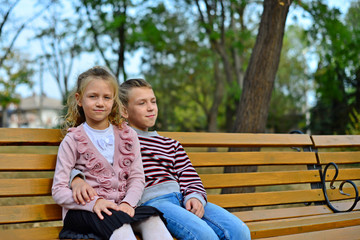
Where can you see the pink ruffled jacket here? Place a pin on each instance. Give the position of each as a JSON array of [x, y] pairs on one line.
[[121, 182]]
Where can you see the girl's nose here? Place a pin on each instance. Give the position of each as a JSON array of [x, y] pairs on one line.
[[99, 102]]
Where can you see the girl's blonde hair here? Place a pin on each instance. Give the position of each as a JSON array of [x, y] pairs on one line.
[[75, 114], [129, 84]]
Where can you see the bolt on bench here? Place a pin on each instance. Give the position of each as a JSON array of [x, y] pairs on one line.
[[288, 202]]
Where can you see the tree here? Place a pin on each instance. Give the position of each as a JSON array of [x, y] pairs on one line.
[[14, 72], [253, 108], [61, 43], [179, 66], [289, 103], [223, 22], [9, 32], [109, 24]]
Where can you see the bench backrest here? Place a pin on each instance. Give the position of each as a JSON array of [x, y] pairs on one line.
[[285, 172]]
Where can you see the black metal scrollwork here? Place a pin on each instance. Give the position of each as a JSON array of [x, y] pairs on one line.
[[328, 203]]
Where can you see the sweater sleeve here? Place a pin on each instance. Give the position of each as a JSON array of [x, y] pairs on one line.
[[61, 192], [189, 181], [136, 180]]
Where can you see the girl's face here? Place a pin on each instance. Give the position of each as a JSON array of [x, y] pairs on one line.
[[142, 110], [97, 102]]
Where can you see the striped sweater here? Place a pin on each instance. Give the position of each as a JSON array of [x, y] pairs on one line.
[[168, 168]]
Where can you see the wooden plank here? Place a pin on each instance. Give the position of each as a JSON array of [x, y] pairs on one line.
[[219, 159], [327, 141], [339, 157], [205, 139], [344, 174], [259, 178], [303, 224], [38, 233], [25, 187], [29, 136], [27, 162], [30, 213], [335, 195], [348, 233], [266, 198], [289, 212]]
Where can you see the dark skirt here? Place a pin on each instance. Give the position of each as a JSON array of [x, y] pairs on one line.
[[80, 224]]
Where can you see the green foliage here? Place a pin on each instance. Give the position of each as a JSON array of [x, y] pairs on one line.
[[337, 79], [15, 72]]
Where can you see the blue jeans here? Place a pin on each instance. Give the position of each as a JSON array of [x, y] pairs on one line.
[[217, 223]]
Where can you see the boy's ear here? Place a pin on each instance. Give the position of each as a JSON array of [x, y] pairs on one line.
[[77, 97], [124, 112]]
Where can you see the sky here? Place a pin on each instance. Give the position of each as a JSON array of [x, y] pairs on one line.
[[30, 47]]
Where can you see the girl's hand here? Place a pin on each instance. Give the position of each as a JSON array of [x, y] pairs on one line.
[[82, 191], [195, 206], [103, 205], [126, 208]]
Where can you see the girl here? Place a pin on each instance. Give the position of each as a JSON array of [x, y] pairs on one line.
[[172, 184], [107, 151]]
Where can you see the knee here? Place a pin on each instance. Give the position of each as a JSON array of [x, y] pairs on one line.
[[199, 231], [241, 232]]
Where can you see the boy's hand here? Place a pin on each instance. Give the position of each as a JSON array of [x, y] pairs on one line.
[[195, 206], [82, 191], [103, 205], [126, 208]]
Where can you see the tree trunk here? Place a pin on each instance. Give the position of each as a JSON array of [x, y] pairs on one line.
[[252, 111]]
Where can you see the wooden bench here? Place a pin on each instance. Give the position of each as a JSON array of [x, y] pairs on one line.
[[288, 202]]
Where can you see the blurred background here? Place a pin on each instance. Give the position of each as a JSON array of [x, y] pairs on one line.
[[215, 65]]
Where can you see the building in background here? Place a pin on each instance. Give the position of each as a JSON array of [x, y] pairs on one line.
[[36, 112]]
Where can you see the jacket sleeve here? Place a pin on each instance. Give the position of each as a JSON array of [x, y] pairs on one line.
[[136, 179], [189, 180], [61, 192]]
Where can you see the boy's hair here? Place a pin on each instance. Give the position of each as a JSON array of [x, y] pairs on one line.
[[75, 114], [129, 84]]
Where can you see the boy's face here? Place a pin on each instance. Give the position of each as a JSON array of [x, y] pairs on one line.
[[142, 110]]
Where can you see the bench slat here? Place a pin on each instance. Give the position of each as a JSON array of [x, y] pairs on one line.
[[29, 213], [266, 198], [339, 157], [38, 233], [330, 141], [213, 159], [303, 224], [292, 212], [190, 139], [25, 187], [30, 136], [344, 174], [348, 233], [259, 178], [274, 198], [27, 162]]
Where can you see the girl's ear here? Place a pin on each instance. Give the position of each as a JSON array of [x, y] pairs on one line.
[[124, 112], [78, 100]]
